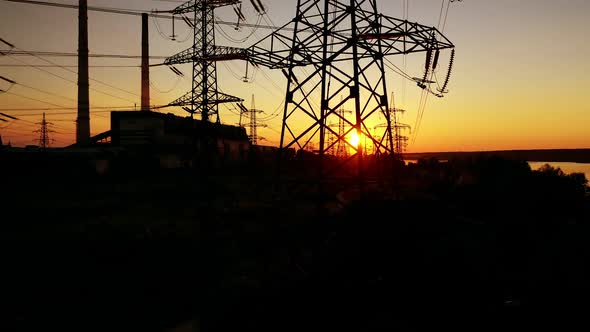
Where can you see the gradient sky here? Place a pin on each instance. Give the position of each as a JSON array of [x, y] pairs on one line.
[[520, 71]]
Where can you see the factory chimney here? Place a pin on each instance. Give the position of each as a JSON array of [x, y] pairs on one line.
[[83, 121], [145, 64]]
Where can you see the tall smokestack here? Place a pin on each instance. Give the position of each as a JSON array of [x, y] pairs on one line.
[[145, 64], [83, 122]]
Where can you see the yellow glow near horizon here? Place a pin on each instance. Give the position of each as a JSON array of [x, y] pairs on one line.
[[354, 139]]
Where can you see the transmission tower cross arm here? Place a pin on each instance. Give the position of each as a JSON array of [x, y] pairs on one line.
[[402, 126], [225, 98], [190, 6], [220, 53], [402, 37], [381, 34], [222, 98], [262, 125], [274, 50]]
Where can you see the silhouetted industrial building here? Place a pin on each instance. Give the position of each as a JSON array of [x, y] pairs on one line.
[[177, 140]]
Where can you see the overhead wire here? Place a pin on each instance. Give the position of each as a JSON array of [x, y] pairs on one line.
[[47, 92], [244, 39], [34, 99], [73, 54], [75, 72], [175, 85], [274, 114], [164, 36], [426, 92], [446, 15], [7, 89], [398, 70], [7, 44], [66, 113], [231, 71], [405, 5], [124, 11], [66, 79], [61, 108], [69, 66], [442, 7], [272, 81]]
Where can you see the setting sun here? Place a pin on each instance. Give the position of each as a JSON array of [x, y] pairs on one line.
[[354, 139]]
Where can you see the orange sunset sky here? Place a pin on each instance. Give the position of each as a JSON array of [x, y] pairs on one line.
[[519, 79]]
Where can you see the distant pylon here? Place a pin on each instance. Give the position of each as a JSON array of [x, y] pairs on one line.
[[341, 150], [253, 124], [44, 140], [400, 140]]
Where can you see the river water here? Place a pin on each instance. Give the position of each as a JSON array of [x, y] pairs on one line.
[[566, 167]]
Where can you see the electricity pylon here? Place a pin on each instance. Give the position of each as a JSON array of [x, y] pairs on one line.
[[341, 150], [253, 124], [400, 140], [44, 140], [338, 47], [204, 97]]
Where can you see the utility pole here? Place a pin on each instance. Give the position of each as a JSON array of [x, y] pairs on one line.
[[145, 63], [83, 121], [204, 97]]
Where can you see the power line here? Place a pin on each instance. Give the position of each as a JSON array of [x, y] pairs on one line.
[[69, 80], [65, 113], [174, 86], [72, 54], [34, 99], [90, 8], [446, 15], [61, 108], [75, 72], [68, 66], [426, 91], [397, 70], [442, 6], [53, 94], [47, 92], [134, 12]]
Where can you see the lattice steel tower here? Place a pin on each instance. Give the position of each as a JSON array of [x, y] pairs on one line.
[[204, 97], [253, 124], [337, 48], [400, 140], [341, 148], [44, 140]]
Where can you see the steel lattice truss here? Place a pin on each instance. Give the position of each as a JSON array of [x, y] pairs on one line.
[[204, 97], [335, 59]]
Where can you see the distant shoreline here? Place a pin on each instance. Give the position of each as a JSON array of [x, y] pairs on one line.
[[549, 155]]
